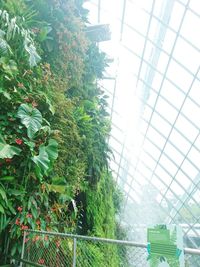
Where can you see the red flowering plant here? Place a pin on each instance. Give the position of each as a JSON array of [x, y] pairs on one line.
[[20, 209], [41, 261], [18, 141]]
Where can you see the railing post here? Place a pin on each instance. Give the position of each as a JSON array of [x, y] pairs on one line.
[[23, 245], [74, 252]]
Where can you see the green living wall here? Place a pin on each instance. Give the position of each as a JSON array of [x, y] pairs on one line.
[[54, 172]]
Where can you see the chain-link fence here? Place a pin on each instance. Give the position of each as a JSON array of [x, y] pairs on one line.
[[65, 250]]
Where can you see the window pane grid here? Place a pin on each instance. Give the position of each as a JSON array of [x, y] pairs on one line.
[[157, 62]]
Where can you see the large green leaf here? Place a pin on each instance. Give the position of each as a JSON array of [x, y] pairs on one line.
[[47, 154], [10, 206], [31, 118], [51, 107], [43, 34], [9, 66], [3, 194], [52, 149], [6, 150], [15, 192], [42, 160], [30, 48], [4, 221], [56, 188], [4, 47], [5, 94], [1, 209], [57, 180], [7, 178]]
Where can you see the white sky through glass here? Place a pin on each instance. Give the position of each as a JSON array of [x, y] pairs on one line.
[[155, 105]]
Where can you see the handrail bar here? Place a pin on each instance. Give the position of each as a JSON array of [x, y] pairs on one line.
[[190, 251]]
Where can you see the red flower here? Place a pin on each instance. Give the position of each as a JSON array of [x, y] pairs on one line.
[[20, 85], [18, 141], [41, 261], [29, 215], [26, 240], [57, 243], [34, 104], [19, 209], [24, 227], [17, 222], [37, 238], [7, 160], [53, 209], [28, 100], [35, 30], [38, 222]]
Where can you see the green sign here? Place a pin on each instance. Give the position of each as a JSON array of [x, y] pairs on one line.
[[165, 246]]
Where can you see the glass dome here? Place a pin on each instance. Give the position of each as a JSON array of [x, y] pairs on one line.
[[154, 89]]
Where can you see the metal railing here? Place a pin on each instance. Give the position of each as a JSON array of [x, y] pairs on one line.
[[52, 249]]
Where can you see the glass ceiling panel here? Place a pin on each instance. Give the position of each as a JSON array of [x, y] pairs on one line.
[[155, 110]]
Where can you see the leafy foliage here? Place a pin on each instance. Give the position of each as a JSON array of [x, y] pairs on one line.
[[54, 155], [9, 30], [47, 154], [31, 118], [8, 151]]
